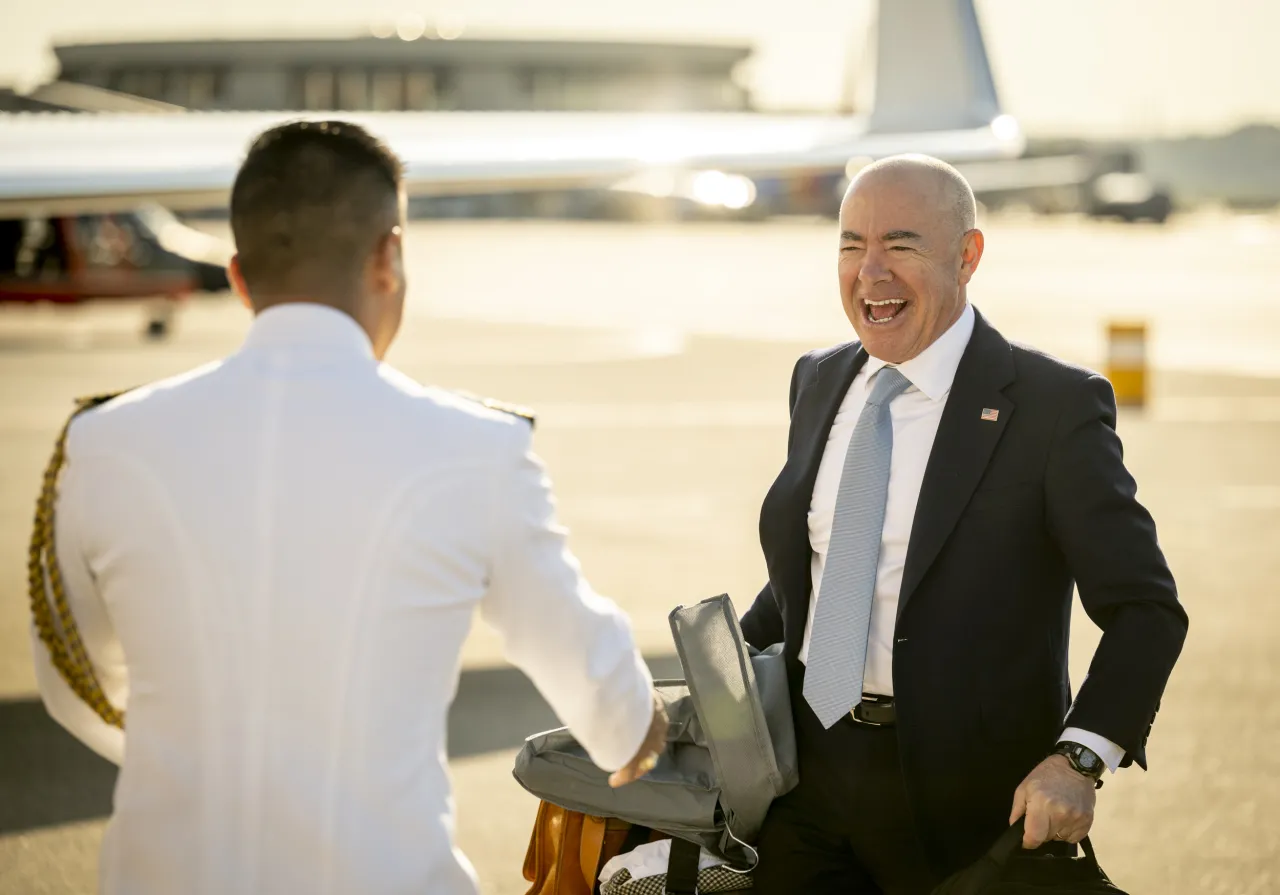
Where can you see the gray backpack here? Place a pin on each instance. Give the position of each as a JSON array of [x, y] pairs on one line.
[[730, 745]]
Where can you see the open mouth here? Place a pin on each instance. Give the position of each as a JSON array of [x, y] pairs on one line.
[[883, 311]]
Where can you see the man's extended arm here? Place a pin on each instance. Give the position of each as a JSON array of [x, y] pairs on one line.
[[576, 646]]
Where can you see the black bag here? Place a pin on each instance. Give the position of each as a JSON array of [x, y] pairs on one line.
[[1004, 871]]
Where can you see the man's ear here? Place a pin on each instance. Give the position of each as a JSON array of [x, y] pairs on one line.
[[970, 254], [387, 261], [236, 276]]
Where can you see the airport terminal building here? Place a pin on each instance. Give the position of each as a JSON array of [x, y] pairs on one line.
[[426, 74]]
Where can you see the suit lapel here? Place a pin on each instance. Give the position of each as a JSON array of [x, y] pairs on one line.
[[961, 449], [815, 410], [819, 403]]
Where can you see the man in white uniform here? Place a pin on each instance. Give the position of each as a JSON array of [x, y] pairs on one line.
[[273, 562]]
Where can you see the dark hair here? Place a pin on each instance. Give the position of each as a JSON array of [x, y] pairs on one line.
[[310, 202]]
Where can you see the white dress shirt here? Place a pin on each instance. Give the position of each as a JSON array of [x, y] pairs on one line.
[[274, 562], [915, 414]]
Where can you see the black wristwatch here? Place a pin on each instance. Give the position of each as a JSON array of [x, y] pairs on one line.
[[1083, 760]]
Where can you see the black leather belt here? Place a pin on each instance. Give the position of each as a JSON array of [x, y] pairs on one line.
[[875, 711]]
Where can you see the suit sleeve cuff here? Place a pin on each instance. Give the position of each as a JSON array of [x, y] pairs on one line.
[[1106, 750]]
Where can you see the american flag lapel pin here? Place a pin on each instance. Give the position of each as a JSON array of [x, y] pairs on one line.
[[990, 415]]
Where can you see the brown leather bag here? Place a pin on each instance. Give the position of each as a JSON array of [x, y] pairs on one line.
[[568, 848]]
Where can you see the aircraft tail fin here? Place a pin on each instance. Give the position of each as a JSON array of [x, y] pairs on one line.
[[931, 68]]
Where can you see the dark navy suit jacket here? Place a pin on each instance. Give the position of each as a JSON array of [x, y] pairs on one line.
[[1012, 514]]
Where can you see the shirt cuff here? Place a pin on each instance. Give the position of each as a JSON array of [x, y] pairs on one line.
[[1106, 750]]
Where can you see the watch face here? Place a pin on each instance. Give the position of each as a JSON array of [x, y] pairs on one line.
[[1088, 760]]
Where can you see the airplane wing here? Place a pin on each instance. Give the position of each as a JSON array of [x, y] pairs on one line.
[[68, 163]]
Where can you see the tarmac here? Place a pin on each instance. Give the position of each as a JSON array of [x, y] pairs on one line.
[[658, 359]]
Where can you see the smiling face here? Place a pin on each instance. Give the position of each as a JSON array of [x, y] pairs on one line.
[[907, 251]]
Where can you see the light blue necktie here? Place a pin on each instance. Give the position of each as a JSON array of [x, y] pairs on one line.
[[842, 618]]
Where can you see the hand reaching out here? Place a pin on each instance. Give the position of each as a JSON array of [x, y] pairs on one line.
[[646, 757]]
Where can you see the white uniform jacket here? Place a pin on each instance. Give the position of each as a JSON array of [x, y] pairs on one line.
[[274, 561]]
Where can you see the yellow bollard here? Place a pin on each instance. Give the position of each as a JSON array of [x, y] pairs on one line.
[[1127, 362]]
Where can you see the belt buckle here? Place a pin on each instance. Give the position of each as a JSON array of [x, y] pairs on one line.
[[860, 718], [865, 722]]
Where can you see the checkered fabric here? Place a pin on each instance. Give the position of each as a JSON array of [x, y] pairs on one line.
[[713, 879]]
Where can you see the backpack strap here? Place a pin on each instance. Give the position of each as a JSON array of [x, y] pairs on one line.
[[682, 867], [55, 623]]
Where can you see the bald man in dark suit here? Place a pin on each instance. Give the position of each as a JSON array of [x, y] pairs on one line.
[[944, 493]]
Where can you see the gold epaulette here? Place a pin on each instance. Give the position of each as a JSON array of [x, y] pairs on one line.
[[55, 624], [88, 402], [514, 409]]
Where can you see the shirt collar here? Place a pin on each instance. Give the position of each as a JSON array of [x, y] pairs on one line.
[[934, 369], [308, 327]]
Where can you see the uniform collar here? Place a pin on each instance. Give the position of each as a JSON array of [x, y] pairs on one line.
[[934, 369], [308, 327]]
